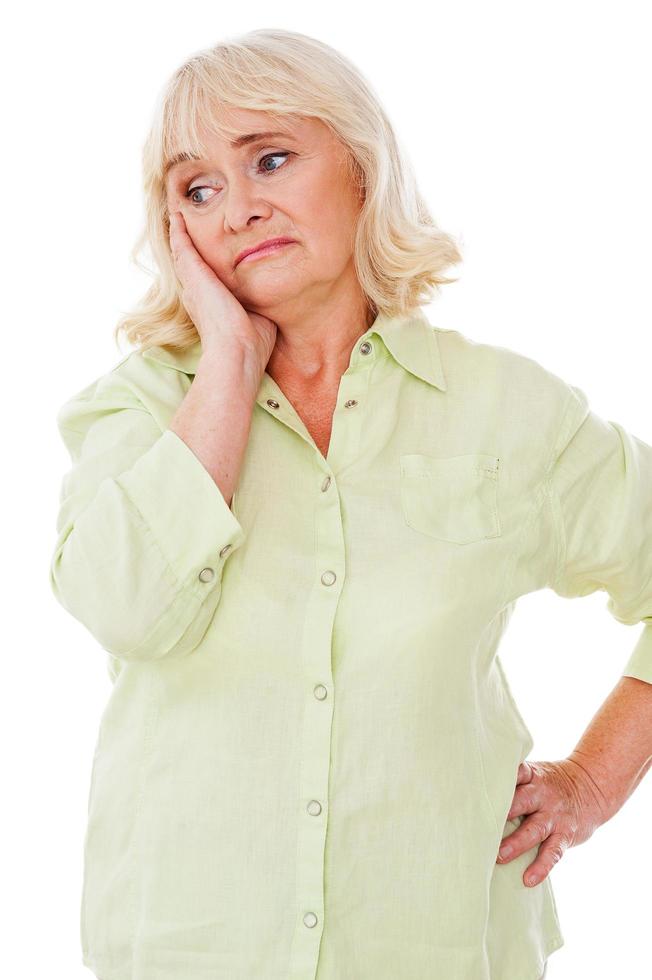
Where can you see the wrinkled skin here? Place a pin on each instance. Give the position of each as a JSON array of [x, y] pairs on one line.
[[562, 806]]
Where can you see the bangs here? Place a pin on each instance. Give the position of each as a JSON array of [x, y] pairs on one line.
[[197, 108]]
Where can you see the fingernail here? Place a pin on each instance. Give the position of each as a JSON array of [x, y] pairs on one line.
[[505, 850]]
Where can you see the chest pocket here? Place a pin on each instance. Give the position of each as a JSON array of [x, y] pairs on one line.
[[453, 498]]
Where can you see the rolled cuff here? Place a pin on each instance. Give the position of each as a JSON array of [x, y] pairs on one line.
[[184, 509], [640, 661]]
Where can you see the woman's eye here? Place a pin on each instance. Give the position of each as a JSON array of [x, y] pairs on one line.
[[190, 193], [272, 156]]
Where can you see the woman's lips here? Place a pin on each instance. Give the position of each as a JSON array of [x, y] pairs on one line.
[[267, 250]]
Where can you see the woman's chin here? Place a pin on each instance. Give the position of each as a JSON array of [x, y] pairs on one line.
[[267, 293]]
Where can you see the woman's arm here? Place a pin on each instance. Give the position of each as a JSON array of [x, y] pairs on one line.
[[144, 527], [615, 751], [599, 491], [214, 418], [564, 802]]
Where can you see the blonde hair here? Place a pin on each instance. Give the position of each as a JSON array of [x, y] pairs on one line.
[[399, 253]]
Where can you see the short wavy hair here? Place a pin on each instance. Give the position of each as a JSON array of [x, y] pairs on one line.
[[399, 253]]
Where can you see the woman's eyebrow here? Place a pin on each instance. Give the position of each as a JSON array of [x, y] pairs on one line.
[[239, 141], [252, 137]]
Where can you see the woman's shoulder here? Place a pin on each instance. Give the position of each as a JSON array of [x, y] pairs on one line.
[[141, 379], [530, 402], [513, 381]]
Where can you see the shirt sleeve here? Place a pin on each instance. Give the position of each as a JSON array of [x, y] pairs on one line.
[[143, 530], [600, 484]]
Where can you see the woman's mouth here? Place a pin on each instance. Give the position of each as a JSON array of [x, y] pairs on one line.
[[265, 250]]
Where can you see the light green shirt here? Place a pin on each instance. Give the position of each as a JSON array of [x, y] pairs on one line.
[[304, 767]]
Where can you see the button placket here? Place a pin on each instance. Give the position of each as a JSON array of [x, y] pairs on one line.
[[348, 416], [354, 383], [208, 574], [316, 733], [316, 665]]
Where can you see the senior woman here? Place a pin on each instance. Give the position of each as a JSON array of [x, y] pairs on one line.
[[298, 519]]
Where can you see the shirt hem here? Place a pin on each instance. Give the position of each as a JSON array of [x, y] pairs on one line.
[[555, 942]]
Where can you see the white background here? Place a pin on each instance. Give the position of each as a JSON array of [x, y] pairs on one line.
[[529, 129]]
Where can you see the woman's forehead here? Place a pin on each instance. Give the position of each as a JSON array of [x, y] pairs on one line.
[[240, 140], [230, 123], [264, 127]]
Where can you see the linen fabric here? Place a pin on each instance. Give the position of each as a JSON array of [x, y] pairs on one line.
[[305, 763]]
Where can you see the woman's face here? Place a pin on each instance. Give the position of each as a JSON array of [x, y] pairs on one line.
[[294, 184]]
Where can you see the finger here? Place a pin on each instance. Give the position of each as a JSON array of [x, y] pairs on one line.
[[527, 798], [187, 260], [174, 221], [524, 774], [531, 832], [176, 241], [548, 856], [178, 225]]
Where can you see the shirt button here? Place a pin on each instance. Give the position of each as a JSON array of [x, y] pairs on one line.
[[310, 919], [326, 484], [206, 574], [225, 550], [366, 348], [350, 403], [272, 403], [320, 692], [314, 808], [328, 577]]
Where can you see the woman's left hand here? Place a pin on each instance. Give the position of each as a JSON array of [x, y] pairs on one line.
[[562, 805]]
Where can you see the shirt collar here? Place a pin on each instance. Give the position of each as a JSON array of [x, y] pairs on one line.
[[411, 340]]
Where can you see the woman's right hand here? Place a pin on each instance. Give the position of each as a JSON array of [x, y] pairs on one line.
[[219, 317]]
